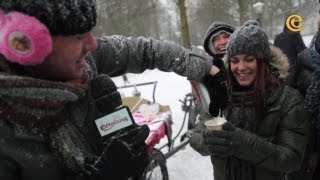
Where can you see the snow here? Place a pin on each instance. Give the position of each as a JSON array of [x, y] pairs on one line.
[[307, 39], [186, 164]]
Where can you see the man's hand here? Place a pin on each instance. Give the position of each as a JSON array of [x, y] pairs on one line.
[[128, 152]]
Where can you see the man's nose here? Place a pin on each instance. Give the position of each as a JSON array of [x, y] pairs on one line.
[[224, 41], [90, 42]]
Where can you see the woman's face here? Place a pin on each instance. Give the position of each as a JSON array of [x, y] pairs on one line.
[[244, 68]]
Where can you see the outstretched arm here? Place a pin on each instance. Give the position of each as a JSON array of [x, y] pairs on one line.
[[117, 55]]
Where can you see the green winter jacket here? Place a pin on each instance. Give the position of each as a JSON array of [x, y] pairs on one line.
[[278, 145]]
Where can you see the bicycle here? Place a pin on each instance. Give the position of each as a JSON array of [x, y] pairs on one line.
[[157, 168]]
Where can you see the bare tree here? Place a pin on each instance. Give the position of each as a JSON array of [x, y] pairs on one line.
[[184, 24], [243, 10], [186, 21]]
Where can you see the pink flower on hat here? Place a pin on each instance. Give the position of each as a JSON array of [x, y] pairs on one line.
[[24, 39]]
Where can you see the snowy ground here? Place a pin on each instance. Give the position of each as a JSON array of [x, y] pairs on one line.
[[186, 164]]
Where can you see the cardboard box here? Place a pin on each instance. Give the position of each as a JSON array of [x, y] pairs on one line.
[[134, 103]]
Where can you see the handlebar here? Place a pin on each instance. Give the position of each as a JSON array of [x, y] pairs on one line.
[[188, 101], [154, 83], [139, 84]]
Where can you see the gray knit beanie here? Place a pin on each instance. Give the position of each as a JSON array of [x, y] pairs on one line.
[[251, 40], [62, 17]]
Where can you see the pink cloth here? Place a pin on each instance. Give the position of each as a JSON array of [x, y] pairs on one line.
[[157, 127]]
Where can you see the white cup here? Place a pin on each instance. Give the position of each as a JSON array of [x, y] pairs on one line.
[[215, 123]]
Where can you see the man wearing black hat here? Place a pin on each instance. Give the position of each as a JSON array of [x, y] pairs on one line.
[[291, 44], [54, 84]]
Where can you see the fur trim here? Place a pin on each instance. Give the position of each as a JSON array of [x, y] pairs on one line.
[[279, 61]]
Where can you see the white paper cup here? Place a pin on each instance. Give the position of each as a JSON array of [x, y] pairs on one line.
[[215, 123]]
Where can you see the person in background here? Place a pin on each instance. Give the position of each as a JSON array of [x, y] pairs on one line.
[[215, 43], [291, 44], [267, 126], [308, 83], [216, 39], [54, 84]]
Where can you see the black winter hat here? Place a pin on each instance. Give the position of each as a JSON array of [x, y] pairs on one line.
[[62, 17], [214, 30], [251, 40]]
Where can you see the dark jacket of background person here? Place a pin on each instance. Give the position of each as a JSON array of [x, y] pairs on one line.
[[291, 44], [308, 83], [271, 148]]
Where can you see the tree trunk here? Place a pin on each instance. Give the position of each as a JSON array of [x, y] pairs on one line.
[[184, 24], [243, 10]]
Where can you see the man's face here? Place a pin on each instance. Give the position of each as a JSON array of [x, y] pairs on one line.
[[219, 42], [66, 62]]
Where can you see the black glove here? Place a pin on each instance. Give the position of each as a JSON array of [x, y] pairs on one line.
[[217, 88], [128, 153], [222, 142], [137, 136]]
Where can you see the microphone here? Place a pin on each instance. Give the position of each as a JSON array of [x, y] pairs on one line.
[[123, 140], [105, 94]]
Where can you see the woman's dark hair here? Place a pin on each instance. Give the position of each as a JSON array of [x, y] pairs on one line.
[[264, 82]]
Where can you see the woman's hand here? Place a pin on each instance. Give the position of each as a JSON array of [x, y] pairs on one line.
[[222, 142]]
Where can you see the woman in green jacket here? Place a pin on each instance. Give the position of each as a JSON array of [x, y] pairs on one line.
[[266, 131]]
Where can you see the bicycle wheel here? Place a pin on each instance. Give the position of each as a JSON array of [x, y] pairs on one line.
[[157, 168]]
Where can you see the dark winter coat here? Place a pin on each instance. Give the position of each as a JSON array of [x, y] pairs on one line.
[[291, 44], [307, 70], [64, 112], [279, 141]]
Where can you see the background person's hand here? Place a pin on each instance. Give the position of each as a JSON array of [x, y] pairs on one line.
[[214, 70], [217, 87]]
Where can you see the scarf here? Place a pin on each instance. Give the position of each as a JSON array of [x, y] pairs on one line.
[[242, 114]]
